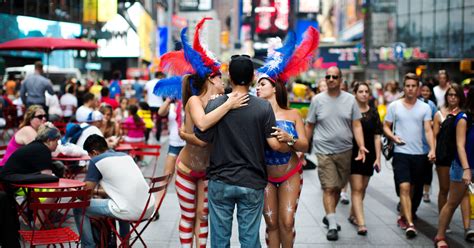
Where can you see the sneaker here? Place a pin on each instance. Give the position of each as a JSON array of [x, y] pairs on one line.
[[469, 235], [411, 232], [344, 199], [326, 223], [402, 222], [332, 235], [426, 197]]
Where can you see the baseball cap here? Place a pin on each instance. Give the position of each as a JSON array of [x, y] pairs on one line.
[[241, 69], [95, 116]]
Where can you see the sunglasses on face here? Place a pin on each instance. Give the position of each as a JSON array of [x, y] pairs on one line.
[[333, 77], [240, 55], [40, 116]]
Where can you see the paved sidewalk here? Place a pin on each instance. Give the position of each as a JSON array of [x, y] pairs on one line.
[[380, 212]]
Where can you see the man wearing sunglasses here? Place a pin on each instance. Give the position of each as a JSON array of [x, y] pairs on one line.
[[334, 117]]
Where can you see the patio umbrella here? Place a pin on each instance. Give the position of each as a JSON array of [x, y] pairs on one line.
[[47, 45]]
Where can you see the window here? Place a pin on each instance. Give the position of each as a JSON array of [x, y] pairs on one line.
[[428, 5], [468, 14], [468, 3], [441, 47], [427, 44], [415, 6], [468, 45], [455, 22], [442, 4], [415, 26], [455, 3], [427, 24], [403, 6], [441, 23], [403, 28], [455, 46]]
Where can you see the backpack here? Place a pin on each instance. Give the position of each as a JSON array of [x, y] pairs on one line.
[[103, 235], [73, 132], [446, 141]]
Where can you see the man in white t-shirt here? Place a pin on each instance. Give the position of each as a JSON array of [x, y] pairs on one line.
[[125, 200], [155, 101], [83, 111], [440, 90], [90, 126], [68, 102]]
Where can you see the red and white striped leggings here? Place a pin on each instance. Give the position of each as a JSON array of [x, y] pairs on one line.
[[194, 210]]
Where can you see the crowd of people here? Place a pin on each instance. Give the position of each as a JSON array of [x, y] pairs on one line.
[[244, 151]]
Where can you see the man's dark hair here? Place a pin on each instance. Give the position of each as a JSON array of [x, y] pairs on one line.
[[241, 69], [38, 65], [88, 97], [104, 92], [95, 143], [116, 75], [159, 74]]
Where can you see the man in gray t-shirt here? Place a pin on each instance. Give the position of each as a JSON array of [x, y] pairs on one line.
[[334, 118], [412, 120]]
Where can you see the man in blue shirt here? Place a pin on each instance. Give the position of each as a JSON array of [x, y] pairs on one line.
[[34, 86]]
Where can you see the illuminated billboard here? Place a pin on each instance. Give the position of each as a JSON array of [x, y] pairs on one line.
[[271, 16]]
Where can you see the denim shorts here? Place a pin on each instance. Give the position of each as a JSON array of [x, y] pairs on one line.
[[456, 171], [174, 150]]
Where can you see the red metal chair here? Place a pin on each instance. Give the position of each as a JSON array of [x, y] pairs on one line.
[[143, 149], [61, 125], [157, 184], [53, 232]]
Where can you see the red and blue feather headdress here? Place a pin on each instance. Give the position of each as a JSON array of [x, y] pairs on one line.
[[287, 61], [190, 60]]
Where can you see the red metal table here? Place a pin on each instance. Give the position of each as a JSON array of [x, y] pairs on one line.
[[62, 184], [70, 171]]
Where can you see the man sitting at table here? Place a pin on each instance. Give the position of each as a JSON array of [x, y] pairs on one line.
[[92, 126], [121, 180]]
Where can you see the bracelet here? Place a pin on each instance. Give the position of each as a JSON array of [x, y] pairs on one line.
[[468, 168]]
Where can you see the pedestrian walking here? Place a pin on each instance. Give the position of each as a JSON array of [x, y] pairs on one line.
[[445, 134], [334, 118], [362, 171], [462, 168], [412, 119]]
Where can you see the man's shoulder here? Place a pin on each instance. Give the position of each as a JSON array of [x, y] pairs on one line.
[[216, 102], [107, 157]]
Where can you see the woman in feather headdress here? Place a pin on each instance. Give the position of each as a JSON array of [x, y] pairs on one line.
[[284, 169], [201, 81]]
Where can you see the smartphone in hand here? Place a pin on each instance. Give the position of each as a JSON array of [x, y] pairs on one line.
[[377, 169]]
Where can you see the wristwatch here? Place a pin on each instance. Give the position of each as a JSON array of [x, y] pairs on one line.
[[292, 141]]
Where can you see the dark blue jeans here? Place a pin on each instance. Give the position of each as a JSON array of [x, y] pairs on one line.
[[222, 200]]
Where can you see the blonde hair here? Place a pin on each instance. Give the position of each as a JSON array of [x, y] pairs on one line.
[[30, 114]]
